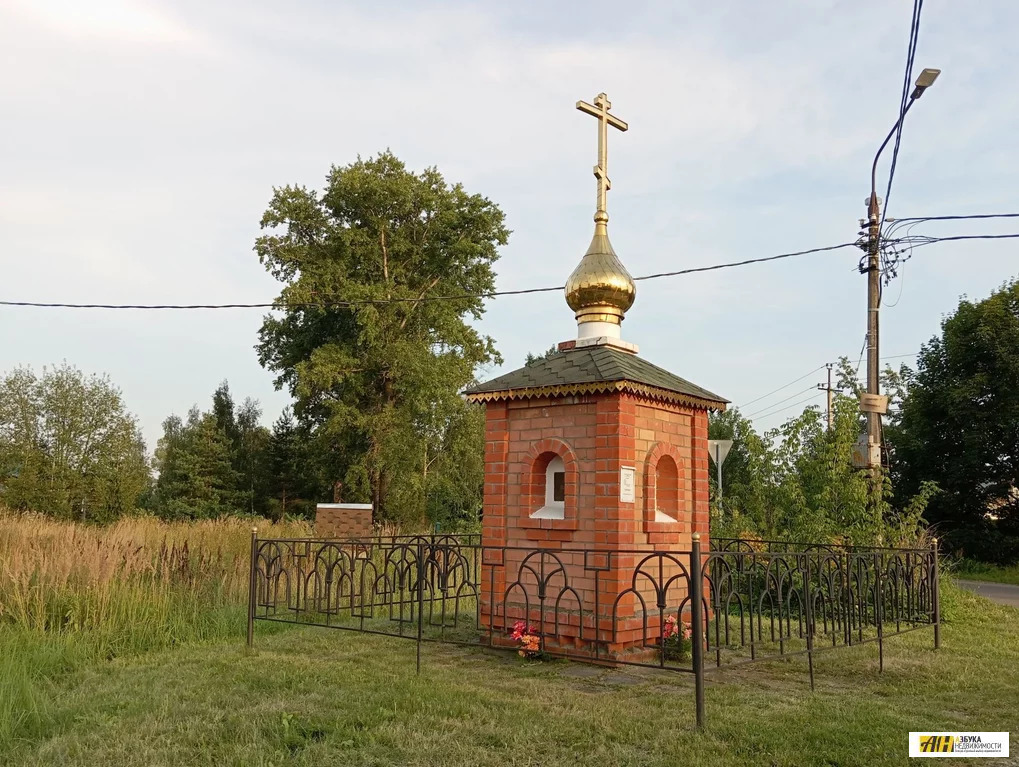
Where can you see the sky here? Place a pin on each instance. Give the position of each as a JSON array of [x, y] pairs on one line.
[[142, 141]]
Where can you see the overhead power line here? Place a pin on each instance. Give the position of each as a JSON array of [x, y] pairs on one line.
[[769, 407], [911, 242], [907, 79], [920, 240], [784, 386], [760, 416], [347, 303], [970, 217], [806, 375]]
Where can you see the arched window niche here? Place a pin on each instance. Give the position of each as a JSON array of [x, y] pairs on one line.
[[666, 496], [550, 487], [554, 497], [666, 490]]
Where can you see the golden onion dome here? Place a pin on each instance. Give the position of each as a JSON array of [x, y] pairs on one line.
[[600, 289]]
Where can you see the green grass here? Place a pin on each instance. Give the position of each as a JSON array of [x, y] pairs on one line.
[[981, 571], [312, 696]]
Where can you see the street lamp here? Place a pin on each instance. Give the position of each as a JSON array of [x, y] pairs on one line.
[[872, 403], [923, 82]]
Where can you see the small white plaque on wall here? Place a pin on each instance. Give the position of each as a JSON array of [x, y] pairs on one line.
[[627, 476]]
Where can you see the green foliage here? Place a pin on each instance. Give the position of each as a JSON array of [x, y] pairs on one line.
[[197, 479], [974, 570], [293, 486], [959, 425], [798, 482], [746, 479], [549, 352], [68, 446], [456, 476], [215, 463], [376, 384]]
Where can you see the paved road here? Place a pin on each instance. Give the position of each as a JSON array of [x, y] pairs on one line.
[[1002, 593]]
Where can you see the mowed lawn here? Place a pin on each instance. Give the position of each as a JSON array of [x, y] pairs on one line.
[[311, 696]]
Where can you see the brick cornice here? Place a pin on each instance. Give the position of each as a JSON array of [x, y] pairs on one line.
[[597, 387]]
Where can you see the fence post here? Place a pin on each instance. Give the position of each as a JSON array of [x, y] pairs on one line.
[[848, 591], [808, 610], [879, 617], [936, 597], [252, 588], [421, 601], [697, 626]]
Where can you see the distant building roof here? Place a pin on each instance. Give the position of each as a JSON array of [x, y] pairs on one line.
[[593, 369]]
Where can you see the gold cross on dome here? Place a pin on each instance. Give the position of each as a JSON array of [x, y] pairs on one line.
[[601, 108]]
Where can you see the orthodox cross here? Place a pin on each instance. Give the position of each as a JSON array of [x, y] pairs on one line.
[[601, 108]]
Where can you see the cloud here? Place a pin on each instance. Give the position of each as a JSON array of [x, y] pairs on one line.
[[104, 20], [143, 139]]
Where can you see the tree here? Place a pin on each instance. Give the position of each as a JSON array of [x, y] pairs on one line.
[[455, 472], [197, 479], [747, 475], [798, 481], [68, 446], [214, 463], [291, 468], [548, 353], [959, 425], [375, 376], [250, 457]]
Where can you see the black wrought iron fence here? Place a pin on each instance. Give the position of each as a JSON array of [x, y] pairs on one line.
[[689, 611], [769, 603]]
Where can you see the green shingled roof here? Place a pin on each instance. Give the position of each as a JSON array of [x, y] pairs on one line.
[[590, 365]]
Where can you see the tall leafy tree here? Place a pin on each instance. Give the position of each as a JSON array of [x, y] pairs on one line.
[[68, 446], [371, 376], [454, 469], [959, 425]]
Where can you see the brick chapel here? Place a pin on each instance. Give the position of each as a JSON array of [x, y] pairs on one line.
[[592, 448]]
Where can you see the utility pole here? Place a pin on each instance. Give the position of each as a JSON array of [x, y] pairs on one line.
[[872, 403], [873, 346], [828, 389]]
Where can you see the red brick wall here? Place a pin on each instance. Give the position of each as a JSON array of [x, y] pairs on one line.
[[595, 435], [343, 523]]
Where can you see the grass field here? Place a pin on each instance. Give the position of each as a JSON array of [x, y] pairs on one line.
[[981, 571], [73, 596], [311, 696]]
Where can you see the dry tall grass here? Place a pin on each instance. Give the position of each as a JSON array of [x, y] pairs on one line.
[[57, 576], [71, 593]]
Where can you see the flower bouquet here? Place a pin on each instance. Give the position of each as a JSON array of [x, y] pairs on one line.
[[527, 639], [676, 636]]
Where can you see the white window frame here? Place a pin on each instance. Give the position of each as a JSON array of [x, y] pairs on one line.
[[552, 509], [664, 516]]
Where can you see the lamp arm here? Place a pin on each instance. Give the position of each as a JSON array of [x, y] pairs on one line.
[[873, 168]]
